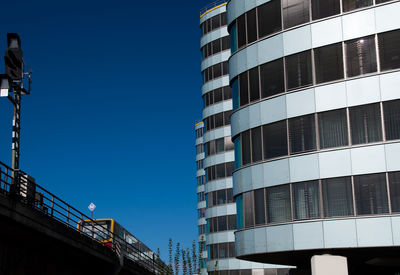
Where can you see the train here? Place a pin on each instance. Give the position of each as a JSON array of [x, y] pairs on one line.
[[114, 236]]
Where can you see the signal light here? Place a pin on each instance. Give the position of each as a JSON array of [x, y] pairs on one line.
[[4, 85], [13, 58]]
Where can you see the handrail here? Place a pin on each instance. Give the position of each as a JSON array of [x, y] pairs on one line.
[[211, 7], [19, 186]]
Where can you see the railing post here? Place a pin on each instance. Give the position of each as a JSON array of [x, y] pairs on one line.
[[52, 205]]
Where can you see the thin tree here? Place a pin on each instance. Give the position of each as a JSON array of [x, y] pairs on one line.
[[177, 258], [201, 249], [170, 268], [184, 262], [194, 257], [189, 262]]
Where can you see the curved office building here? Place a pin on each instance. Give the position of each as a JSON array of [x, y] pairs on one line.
[[316, 128], [220, 209]]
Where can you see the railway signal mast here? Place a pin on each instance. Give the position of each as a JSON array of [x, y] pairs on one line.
[[12, 87]]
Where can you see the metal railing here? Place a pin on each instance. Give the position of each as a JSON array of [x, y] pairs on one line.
[[20, 186], [211, 6]]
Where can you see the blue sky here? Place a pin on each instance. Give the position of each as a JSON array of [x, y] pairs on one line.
[[116, 93]]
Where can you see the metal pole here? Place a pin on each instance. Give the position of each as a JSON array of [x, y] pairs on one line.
[[16, 128]]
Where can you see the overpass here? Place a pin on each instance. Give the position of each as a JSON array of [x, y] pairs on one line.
[[39, 235]]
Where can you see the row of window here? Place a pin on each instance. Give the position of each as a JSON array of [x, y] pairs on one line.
[[213, 23], [199, 149], [319, 131], [202, 229], [199, 132], [221, 251], [221, 223], [201, 213], [296, 71], [219, 197], [201, 196], [201, 180], [215, 71], [326, 198], [200, 164], [219, 145], [218, 120], [215, 46], [217, 95], [267, 18], [219, 171]]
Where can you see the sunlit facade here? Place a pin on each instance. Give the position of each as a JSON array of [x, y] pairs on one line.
[[316, 127]]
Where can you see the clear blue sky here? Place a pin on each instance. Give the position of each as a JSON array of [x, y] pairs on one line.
[[116, 93]]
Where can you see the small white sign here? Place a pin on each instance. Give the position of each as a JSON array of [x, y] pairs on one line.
[[92, 207]]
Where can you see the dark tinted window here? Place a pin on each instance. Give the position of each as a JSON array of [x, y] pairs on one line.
[[394, 183], [241, 30], [360, 56], [269, 18], [275, 139], [216, 46], [324, 8], [243, 89], [225, 43], [338, 197], [256, 148], [349, 5], [251, 26], [328, 63], [278, 204], [298, 70], [302, 134], [332, 128], [217, 95], [365, 124], [371, 194], [392, 119], [259, 206], [272, 78], [389, 50], [295, 12], [306, 200], [246, 152], [254, 84]]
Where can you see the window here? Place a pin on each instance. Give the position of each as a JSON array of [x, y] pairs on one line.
[[275, 139], [259, 206], [222, 224], [360, 56], [228, 144], [232, 253], [239, 211], [269, 18], [243, 89], [238, 152], [235, 94], [241, 30], [365, 124], [231, 222], [251, 26], [324, 8], [233, 37], [220, 171], [225, 43], [298, 70], [295, 12], [219, 120], [227, 118], [254, 85], [219, 145], [389, 50], [338, 197], [371, 194], [272, 78], [349, 5], [248, 209], [392, 119], [229, 194], [217, 71], [394, 185], [216, 46], [328, 62], [306, 200], [216, 22], [227, 92], [218, 95], [333, 129], [278, 204], [256, 148], [302, 134], [246, 152], [229, 168]]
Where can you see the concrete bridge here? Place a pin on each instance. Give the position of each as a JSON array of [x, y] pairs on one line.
[[36, 239]]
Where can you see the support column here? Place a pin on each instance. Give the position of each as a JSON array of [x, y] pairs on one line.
[[329, 265]]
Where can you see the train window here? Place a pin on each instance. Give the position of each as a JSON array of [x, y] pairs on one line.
[[100, 230]]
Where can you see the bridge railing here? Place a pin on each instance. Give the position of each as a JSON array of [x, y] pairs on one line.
[[22, 187]]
